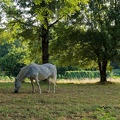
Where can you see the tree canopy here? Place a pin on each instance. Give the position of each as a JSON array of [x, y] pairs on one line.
[[32, 20], [66, 32], [96, 39]]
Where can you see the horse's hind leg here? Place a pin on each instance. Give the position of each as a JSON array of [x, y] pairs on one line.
[[38, 85], [48, 80], [54, 87]]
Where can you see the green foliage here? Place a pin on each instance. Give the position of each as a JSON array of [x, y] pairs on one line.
[[95, 40], [4, 49], [99, 45], [62, 70], [11, 63], [15, 58], [63, 73], [104, 115], [81, 75], [31, 20], [116, 72], [65, 45], [85, 34], [6, 78]]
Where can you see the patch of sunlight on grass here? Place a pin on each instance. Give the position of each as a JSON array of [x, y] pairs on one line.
[[84, 81]]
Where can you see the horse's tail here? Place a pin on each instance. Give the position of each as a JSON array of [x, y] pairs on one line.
[[54, 75], [53, 70]]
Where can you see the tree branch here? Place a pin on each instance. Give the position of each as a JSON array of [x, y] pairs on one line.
[[53, 23]]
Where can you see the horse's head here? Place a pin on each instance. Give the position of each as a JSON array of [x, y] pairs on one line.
[[17, 85]]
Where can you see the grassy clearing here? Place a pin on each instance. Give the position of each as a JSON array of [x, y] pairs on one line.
[[72, 102]]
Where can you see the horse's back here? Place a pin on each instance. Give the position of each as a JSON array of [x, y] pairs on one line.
[[34, 70], [40, 71]]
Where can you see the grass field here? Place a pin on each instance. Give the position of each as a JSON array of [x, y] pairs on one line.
[[70, 102]]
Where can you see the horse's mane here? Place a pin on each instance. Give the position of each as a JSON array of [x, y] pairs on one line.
[[23, 70]]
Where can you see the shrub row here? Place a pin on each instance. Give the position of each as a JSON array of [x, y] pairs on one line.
[[6, 78], [74, 75], [116, 72], [81, 75]]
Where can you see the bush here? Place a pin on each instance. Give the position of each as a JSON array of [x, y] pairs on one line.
[[81, 75], [116, 72], [7, 78]]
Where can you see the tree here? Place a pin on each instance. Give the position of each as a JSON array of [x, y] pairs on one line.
[[100, 47], [64, 47], [96, 39], [32, 20], [13, 57], [103, 38]]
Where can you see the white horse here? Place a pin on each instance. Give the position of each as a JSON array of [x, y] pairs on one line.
[[36, 72]]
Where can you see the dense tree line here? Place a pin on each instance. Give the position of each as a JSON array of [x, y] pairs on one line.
[[81, 33]]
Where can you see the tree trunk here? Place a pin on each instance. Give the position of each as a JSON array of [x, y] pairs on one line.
[[45, 31], [102, 68], [45, 45]]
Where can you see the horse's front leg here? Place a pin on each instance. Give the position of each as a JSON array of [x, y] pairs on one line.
[[33, 89]]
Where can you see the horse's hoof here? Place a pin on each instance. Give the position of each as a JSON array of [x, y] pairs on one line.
[[15, 91], [47, 91], [33, 91]]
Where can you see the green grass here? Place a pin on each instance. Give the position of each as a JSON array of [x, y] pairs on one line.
[[72, 102]]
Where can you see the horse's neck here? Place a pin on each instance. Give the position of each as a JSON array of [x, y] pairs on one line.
[[22, 75], [21, 78]]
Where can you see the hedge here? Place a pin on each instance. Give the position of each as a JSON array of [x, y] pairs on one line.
[[81, 75], [116, 72]]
